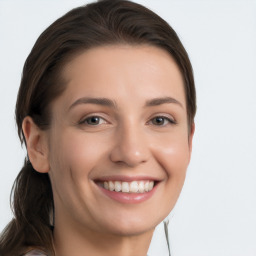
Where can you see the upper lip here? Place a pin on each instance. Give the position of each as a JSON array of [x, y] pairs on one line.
[[126, 178]]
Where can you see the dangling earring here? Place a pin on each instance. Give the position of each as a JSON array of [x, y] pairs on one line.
[[166, 223]]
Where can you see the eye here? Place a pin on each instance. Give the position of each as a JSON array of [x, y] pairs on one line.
[[162, 121], [93, 120]]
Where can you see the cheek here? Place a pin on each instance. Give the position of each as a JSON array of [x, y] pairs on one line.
[[73, 157], [173, 154], [76, 152]]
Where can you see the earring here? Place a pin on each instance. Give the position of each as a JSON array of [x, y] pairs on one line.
[[166, 223]]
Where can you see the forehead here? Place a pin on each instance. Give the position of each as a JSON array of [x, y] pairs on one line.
[[123, 71]]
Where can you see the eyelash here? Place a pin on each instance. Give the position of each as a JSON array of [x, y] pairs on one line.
[[169, 120], [85, 121]]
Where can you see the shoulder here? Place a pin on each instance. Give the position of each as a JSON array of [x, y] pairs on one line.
[[35, 253]]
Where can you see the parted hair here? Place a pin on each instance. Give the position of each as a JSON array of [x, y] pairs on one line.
[[106, 22]]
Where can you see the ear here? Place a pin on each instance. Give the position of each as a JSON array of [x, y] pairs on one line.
[[190, 138], [37, 146]]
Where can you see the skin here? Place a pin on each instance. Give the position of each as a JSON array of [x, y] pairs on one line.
[[126, 141]]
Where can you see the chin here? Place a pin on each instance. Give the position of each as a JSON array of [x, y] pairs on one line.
[[131, 226]]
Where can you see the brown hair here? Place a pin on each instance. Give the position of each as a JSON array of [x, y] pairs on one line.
[[106, 22]]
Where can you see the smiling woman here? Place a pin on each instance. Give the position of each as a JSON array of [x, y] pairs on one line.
[[106, 108]]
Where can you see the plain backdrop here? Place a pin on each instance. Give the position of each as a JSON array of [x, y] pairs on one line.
[[216, 212]]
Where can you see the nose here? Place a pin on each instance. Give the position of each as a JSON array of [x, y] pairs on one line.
[[131, 147]]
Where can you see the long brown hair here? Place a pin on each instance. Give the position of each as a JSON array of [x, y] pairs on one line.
[[106, 22]]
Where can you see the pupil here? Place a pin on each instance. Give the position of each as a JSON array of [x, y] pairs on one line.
[[93, 120], [159, 120]]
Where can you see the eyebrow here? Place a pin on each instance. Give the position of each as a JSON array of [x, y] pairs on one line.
[[160, 101], [97, 101], [110, 103]]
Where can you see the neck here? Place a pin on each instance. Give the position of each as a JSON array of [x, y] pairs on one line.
[[67, 242]]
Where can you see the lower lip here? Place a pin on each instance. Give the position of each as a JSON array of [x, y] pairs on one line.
[[128, 198]]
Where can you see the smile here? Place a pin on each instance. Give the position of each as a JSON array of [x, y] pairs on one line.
[[128, 190], [128, 187]]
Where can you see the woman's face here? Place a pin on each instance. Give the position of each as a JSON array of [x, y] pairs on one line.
[[119, 128]]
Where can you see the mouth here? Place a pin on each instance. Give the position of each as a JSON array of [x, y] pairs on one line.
[[140, 186], [127, 189]]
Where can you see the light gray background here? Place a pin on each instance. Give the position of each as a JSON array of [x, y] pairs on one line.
[[216, 213]]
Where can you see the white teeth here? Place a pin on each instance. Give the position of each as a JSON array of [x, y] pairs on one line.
[[129, 187], [146, 186], [111, 186], [134, 187], [125, 187], [150, 185], [118, 186], [141, 186]]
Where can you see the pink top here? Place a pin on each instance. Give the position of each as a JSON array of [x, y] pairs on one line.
[[35, 253]]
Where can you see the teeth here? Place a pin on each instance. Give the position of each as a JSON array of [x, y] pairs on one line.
[[106, 185], [129, 187], [150, 186], [118, 186], [146, 186], [125, 187], [141, 186], [134, 187], [111, 186]]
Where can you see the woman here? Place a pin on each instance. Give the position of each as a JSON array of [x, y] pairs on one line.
[[106, 109]]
